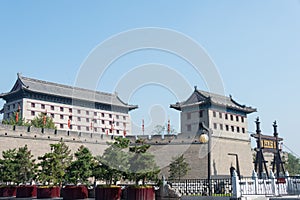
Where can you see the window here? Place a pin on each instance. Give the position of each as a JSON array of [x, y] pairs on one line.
[[117, 116], [117, 123], [87, 120], [226, 116], [61, 117], [78, 119], [42, 106], [214, 113], [61, 109], [110, 115], [52, 115], [61, 126], [231, 117], [102, 121], [32, 113], [124, 117], [220, 115], [87, 112], [215, 125], [102, 114], [238, 129], [110, 122], [189, 127], [33, 105], [110, 130], [95, 113], [70, 110], [227, 127], [8, 107], [87, 128], [70, 117], [243, 130], [221, 126], [14, 106], [78, 111], [95, 129], [242, 119], [118, 132], [201, 113], [232, 128], [188, 115], [71, 126], [237, 118], [103, 130], [79, 128], [52, 107]]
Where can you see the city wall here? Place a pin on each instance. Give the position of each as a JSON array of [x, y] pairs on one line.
[[163, 147]]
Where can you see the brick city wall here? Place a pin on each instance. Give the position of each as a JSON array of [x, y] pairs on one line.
[[163, 147]]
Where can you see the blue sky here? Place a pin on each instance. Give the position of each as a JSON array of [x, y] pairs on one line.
[[255, 46]]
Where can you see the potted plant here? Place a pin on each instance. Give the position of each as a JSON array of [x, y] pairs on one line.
[[78, 173], [52, 170], [142, 168], [112, 167]]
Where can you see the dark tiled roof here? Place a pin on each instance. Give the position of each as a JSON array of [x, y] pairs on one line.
[[202, 97], [56, 89]]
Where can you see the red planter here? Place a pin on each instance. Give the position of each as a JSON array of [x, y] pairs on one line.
[[26, 191], [8, 191], [48, 192], [143, 193], [75, 192], [108, 193]]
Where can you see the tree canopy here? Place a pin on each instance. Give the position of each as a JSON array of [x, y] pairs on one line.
[[292, 165], [81, 168], [43, 121], [178, 167], [53, 165]]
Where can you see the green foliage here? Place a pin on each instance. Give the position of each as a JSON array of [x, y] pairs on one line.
[[8, 166], [160, 129], [12, 120], [292, 165], [113, 164], [18, 166], [81, 168], [40, 121], [142, 164], [54, 164], [178, 168], [25, 165]]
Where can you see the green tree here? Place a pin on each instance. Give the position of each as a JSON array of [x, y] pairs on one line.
[[178, 167], [53, 165], [16, 119], [81, 168], [113, 164], [292, 165], [8, 166], [43, 121], [160, 129], [142, 164], [25, 165]]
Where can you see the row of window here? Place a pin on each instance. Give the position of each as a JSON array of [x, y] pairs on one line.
[[227, 116], [229, 128], [220, 115], [87, 128], [222, 127], [62, 117], [62, 109]]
